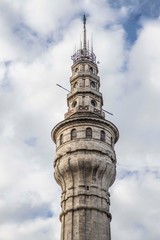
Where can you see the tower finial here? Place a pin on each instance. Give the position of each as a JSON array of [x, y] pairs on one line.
[[84, 52], [84, 33]]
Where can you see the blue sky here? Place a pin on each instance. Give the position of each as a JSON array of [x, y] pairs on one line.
[[37, 39]]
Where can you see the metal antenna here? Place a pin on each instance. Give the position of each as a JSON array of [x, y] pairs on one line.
[[80, 42], [107, 112], [92, 43], [84, 32], [63, 88]]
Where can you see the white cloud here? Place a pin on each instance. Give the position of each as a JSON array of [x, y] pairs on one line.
[[31, 105], [148, 50], [135, 213], [40, 228], [43, 16]]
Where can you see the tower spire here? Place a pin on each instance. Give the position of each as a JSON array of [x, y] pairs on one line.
[[85, 163], [84, 33], [84, 52]]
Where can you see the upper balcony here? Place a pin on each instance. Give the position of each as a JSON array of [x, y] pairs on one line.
[[84, 90]]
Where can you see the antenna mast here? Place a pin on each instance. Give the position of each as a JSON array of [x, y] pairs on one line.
[[84, 32], [85, 52]]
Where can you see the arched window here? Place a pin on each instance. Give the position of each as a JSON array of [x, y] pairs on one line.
[[102, 136], [61, 139], [74, 103], [111, 141], [75, 84], [73, 134], [92, 84], [88, 132], [94, 103], [91, 69]]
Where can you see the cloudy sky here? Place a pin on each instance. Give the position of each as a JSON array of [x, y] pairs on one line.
[[37, 39]]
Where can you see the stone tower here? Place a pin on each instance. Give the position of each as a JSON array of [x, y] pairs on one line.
[[85, 163]]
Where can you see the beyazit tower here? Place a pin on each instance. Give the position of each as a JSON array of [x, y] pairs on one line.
[[85, 163]]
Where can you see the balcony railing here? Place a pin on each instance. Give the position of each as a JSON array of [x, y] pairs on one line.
[[84, 54], [86, 108]]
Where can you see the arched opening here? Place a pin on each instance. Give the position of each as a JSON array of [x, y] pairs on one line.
[[73, 134], [102, 136], [111, 141], [92, 84], [61, 139], [74, 104], [94, 103], [88, 132], [75, 84], [91, 69]]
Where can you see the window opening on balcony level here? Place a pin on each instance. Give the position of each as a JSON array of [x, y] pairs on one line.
[[102, 136], [73, 134], [88, 132]]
